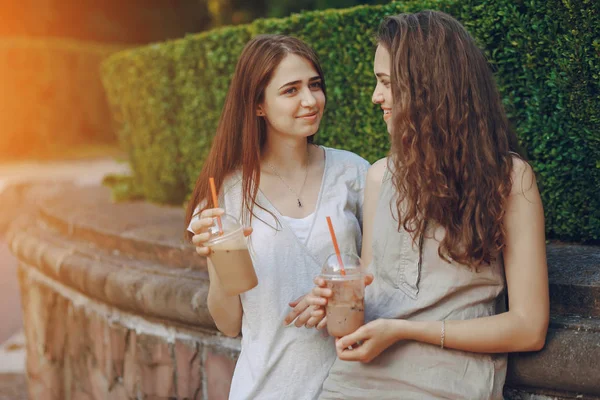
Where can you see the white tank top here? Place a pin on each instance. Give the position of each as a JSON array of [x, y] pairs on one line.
[[300, 226]]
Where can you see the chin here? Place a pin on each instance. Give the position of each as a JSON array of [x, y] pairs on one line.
[[310, 132]]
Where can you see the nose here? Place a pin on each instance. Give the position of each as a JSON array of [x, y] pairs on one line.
[[377, 96], [308, 99]]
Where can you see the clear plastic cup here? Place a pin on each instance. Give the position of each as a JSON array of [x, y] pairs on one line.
[[346, 307], [230, 257]]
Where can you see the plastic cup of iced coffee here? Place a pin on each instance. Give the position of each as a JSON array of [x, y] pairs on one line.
[[230, 256], [346, 307]]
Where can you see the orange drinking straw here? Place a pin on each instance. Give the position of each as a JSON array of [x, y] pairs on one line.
[[213, 190], [335, 246]]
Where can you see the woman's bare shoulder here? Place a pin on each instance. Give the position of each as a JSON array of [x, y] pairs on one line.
[[377, 171], [522, 176]]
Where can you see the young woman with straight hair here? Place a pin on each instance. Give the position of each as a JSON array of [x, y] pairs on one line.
[[271, 176]]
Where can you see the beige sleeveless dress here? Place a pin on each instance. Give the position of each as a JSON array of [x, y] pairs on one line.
[[427, 288]]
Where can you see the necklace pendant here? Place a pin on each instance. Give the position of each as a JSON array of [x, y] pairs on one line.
[[299, 203]]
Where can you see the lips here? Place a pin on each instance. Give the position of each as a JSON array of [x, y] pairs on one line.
[[310, 115], [310, 118], [387, 113]]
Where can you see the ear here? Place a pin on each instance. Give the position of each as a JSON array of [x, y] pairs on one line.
[[260, 112]]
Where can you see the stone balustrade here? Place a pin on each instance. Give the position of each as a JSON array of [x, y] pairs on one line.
[[115, 308]]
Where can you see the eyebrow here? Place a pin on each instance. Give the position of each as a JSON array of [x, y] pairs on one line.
[[314, 78], [381, 75]]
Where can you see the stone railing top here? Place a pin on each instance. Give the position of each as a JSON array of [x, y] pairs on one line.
[[144, 232], [153, 233], [131, 256], [139, 229], [578, 265], [574, 275]]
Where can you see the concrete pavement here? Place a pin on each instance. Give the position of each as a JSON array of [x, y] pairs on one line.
[[12, 355], [84, 172], [10, 301]]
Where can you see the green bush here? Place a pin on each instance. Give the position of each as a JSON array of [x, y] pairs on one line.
[[167, 97], [52, 96], [547, 55]]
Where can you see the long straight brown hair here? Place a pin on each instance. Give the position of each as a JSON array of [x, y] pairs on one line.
[[241, 134], [452, 145]]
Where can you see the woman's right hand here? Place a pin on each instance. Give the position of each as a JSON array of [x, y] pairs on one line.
[[200, 228]]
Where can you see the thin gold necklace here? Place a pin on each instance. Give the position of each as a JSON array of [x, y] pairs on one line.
[[297, 194]]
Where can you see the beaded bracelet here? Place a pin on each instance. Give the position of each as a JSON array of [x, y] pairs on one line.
[[443, 335]]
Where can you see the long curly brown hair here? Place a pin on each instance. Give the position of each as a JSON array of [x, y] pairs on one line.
[[451, 158]]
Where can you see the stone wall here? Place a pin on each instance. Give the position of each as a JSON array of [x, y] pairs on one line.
[[81, 349], [115, 308], [114, 304]]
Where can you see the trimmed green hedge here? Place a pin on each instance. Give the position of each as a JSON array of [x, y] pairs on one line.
[[52, 96], [167, 97], [547, 53]]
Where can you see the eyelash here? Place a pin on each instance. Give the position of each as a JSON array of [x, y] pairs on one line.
[[313, 85]]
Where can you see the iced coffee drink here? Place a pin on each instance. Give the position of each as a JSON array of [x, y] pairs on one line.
[[346, 307], [230, 257]]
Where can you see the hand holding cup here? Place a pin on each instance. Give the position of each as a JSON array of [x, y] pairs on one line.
[[201, 229]]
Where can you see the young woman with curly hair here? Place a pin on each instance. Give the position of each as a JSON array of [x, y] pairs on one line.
[[453, 224]]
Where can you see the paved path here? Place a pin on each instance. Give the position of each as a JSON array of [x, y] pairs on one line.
[[80, 171], [10, 302], [12, 355], [13, 387]]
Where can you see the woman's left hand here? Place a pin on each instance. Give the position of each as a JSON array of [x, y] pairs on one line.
[[370, 340]]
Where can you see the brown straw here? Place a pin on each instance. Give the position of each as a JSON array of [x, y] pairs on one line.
[[335, 246], [215, 199]]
